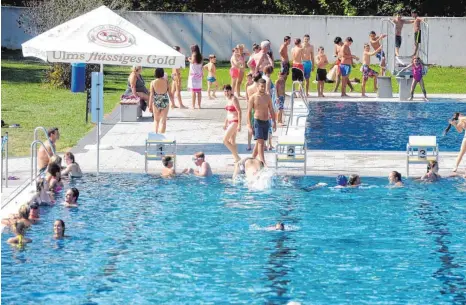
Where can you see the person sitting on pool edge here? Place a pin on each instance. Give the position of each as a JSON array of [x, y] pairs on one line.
[[204, 169], [71, 198], [354, 180], [168, 169], [249, 167], [432, 172], [395, 179]]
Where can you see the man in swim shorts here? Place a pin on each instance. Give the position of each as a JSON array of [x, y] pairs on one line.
[[346, 59], [308, 57], [375, 43], [297, 58], [261, 103], [417, 30], [44, 153], [285, 61]]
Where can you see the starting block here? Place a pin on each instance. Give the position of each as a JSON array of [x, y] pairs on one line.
[[157, 146]]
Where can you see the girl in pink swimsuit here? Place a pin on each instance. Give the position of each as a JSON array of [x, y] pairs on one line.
[[418, 72], [232, 122]]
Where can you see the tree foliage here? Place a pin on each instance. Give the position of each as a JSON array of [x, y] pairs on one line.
[[48, 14], [448, 8]]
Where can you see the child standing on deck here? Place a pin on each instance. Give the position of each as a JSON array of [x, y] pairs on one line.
[[366, 70], [321, 76], [280, 101], [211, 76], [418, 72]]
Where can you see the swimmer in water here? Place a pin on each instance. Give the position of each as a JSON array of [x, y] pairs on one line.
[[204, 169], [354, 180], [34, 215], [432, 172], [20, 239], [168, 170], [279, 226], [342, 181], [249, 167], [22, 216], [395, 179], [59, 229], [71, 198]]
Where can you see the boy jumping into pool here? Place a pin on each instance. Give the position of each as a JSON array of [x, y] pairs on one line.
[[211, 80], [366, 70], [261, 103], [376, 45]]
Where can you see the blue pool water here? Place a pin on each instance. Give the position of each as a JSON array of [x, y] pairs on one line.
[[380, 126], [137, 239]]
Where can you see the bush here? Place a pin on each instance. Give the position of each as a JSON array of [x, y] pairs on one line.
[[59, 76]]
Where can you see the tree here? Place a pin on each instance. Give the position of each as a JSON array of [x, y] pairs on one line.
[[45, 15]]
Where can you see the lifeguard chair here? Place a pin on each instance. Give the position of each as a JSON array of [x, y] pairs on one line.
[[421, 150], [157, 146]]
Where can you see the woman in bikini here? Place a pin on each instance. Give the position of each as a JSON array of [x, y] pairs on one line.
[[232, 122], [159, 96]]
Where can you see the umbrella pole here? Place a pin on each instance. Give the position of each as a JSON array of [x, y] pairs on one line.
[[99, 124]]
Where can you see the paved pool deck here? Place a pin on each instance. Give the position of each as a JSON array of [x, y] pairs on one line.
[[122, 146]]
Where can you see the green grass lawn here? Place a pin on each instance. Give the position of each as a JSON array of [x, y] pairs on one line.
[[27, 101]]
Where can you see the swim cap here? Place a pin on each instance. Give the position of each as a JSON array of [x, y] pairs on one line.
[[341, 180]]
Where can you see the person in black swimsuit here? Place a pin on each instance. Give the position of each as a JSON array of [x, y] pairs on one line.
[[137, 86]]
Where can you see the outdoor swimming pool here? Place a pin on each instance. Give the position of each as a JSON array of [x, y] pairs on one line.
[[380, 126], [137, 239]]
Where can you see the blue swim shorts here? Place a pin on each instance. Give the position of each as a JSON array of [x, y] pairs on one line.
[[211, 79], [380, 55], [307, 68], [280, 102], [345, 70], [261, 129]]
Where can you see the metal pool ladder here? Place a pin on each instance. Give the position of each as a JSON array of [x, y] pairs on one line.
[[4, 153]]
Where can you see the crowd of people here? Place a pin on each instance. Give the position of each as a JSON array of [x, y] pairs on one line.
[[48, 184], [265, 104]]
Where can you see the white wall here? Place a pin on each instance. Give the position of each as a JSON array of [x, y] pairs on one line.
[[218, 33]]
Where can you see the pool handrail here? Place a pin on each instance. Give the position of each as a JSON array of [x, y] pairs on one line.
[[4, 152]]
